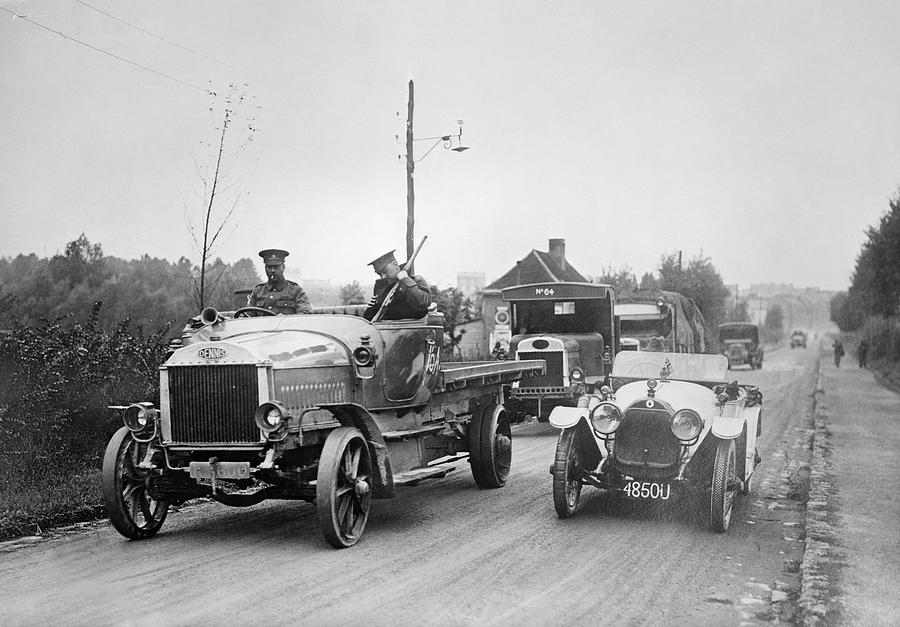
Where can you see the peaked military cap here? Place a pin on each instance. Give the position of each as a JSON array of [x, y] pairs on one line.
[[380, 262], [273, 256]]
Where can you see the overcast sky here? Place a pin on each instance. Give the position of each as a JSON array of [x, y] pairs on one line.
[[763, 135]]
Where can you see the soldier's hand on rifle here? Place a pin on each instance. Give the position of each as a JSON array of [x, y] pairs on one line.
[[373, 302]]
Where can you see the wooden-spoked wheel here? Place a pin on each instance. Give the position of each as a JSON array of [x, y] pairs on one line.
[[722, 490], [343, 487], [133, 512], [490, 446], [566, 474]]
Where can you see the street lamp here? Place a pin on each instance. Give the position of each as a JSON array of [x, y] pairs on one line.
[[446, 141]]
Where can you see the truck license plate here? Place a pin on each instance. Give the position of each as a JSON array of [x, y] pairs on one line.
[[224, 470], [648, 490]]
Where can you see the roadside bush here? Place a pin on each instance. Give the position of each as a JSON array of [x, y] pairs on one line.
[[54, 422]]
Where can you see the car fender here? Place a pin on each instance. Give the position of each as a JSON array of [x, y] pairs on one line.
[[727, 428], [565, 417], [731, 427]]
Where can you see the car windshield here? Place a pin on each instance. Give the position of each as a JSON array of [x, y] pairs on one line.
[[685, 366]]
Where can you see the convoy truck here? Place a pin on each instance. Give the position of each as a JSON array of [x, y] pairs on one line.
[[570, 326], [328, 408], [660, 320]]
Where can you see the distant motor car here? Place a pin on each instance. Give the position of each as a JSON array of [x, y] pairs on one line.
[[668, 427], [798, 339], [740, 344]]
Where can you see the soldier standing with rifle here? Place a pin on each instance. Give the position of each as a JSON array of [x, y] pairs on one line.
[[398, 295]]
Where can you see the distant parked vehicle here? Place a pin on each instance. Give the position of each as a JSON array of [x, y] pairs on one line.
[[740, 344], [798, 338]]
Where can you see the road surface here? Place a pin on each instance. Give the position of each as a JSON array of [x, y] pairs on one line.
[[446, 552]]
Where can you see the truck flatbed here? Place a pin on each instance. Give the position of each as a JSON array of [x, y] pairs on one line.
[[456, 375]]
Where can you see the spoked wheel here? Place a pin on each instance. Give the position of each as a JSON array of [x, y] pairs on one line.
[[490, 446], [722, 490], [566, 474], [343, 487], [133, 512]]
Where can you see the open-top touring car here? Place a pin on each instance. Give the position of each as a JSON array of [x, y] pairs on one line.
[[328, 408], [668, 426]]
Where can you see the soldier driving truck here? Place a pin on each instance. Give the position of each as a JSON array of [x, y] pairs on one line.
[[330, 408]]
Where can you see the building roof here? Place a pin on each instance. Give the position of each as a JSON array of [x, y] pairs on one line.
[[537, 267]]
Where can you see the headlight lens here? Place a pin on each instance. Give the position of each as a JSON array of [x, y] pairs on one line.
[[605, 418], [576, 375], [686, 424], [363, 356], [139, 417], [270, 417]]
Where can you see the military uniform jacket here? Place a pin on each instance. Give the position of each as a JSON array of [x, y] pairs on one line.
[[411, 300], [289, 299]]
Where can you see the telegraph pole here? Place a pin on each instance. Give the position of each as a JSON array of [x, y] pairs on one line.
[[410, 191]]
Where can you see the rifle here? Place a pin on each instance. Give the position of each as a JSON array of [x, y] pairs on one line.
[[390, 295]]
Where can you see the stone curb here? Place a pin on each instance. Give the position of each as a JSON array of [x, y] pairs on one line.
[[818, 603]]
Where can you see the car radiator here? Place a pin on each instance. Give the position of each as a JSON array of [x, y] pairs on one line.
[[645, 438]]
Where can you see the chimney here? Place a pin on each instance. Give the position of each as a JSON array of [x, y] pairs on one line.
[[558, 252]]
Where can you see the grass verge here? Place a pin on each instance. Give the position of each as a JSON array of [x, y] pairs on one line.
[[30, 504]]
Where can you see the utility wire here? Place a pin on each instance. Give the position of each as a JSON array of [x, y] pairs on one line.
[[177, 45], [106, 52]]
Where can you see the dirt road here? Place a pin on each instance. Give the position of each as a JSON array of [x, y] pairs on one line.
[[448, 553]]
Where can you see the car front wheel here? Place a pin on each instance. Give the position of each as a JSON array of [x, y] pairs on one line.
[[723, 487], [567, 472]]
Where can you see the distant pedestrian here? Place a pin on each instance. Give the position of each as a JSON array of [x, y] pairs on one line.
[[862, 353], [838, 348]]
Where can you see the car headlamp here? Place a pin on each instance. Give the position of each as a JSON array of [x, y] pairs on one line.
[[270, 417], [606, 418], [686, 424], [577, 375]]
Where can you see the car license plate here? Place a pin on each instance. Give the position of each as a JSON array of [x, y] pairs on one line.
[[652, 490], [224, 470]]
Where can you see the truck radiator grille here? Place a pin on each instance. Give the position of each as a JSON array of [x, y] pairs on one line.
[[736, 351], [554, 369], [645, 437], [213, 404]]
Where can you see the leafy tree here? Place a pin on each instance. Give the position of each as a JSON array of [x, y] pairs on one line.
[[649, 282], [700, 281], [846, 314], [741, 312], [457, 310], [774, 323], [621, 279], [352, 294]]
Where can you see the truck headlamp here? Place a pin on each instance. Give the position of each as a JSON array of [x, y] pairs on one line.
[[687, 425], [139, 417], [606, 418], [577, 375], [270, 417]]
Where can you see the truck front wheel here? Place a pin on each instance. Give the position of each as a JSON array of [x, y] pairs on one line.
[[490, 446], [132, 511], [344, 487], [566, 474]]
